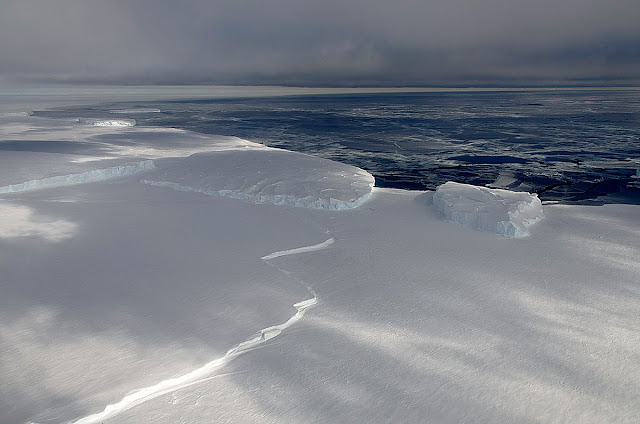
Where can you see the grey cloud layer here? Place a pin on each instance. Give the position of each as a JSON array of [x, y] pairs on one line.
[[330, 42]]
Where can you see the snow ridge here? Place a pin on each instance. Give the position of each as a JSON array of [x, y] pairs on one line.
[[310, 202], [305, 249], [198, 375], [80, 178], [203, 373]]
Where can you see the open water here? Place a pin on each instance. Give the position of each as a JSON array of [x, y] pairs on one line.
[[564, 145]]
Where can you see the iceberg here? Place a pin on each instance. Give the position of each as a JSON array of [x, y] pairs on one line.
[[269, 176], [507, 213]]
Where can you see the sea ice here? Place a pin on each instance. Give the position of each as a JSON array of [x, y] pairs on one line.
[[503, 212]]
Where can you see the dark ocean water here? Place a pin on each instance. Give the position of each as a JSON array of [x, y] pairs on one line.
[[568, 145]]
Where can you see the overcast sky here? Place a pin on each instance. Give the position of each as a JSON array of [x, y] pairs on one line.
[[329, 42]]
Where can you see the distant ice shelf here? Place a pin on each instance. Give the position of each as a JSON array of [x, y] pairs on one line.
[[508, 213], [80, 178], [108, 122]]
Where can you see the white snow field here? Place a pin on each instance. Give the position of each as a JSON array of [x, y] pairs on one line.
[[248, 284]]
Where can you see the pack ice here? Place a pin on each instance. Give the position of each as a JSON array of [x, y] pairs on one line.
[[270, 176], [504, 212]]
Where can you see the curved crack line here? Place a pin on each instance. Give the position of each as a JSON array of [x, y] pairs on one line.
[[203, 373]]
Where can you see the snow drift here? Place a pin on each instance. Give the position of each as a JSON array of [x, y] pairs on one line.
[[503, 212]]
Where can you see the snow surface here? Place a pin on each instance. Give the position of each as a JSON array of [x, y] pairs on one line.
[[124, 302], [508, 213]]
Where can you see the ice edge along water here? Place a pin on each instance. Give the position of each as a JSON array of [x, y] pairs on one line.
[[204, 373], [80, 178]]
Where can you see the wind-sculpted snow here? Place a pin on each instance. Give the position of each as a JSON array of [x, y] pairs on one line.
[[198, 375], [203, 373], [108, 122], [269, 176], [80, 178], [503, 212]]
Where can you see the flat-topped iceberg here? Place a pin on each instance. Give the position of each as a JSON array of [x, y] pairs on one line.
[[503, 212], [270, 176]]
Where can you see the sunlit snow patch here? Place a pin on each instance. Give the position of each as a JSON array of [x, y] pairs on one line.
[[20, 221], [108, 122], [503, 212], [269, 176]]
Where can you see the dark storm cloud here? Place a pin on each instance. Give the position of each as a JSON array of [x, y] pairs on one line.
[[314, 43]]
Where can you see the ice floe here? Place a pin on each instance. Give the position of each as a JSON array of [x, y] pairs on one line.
[[504, 212]]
